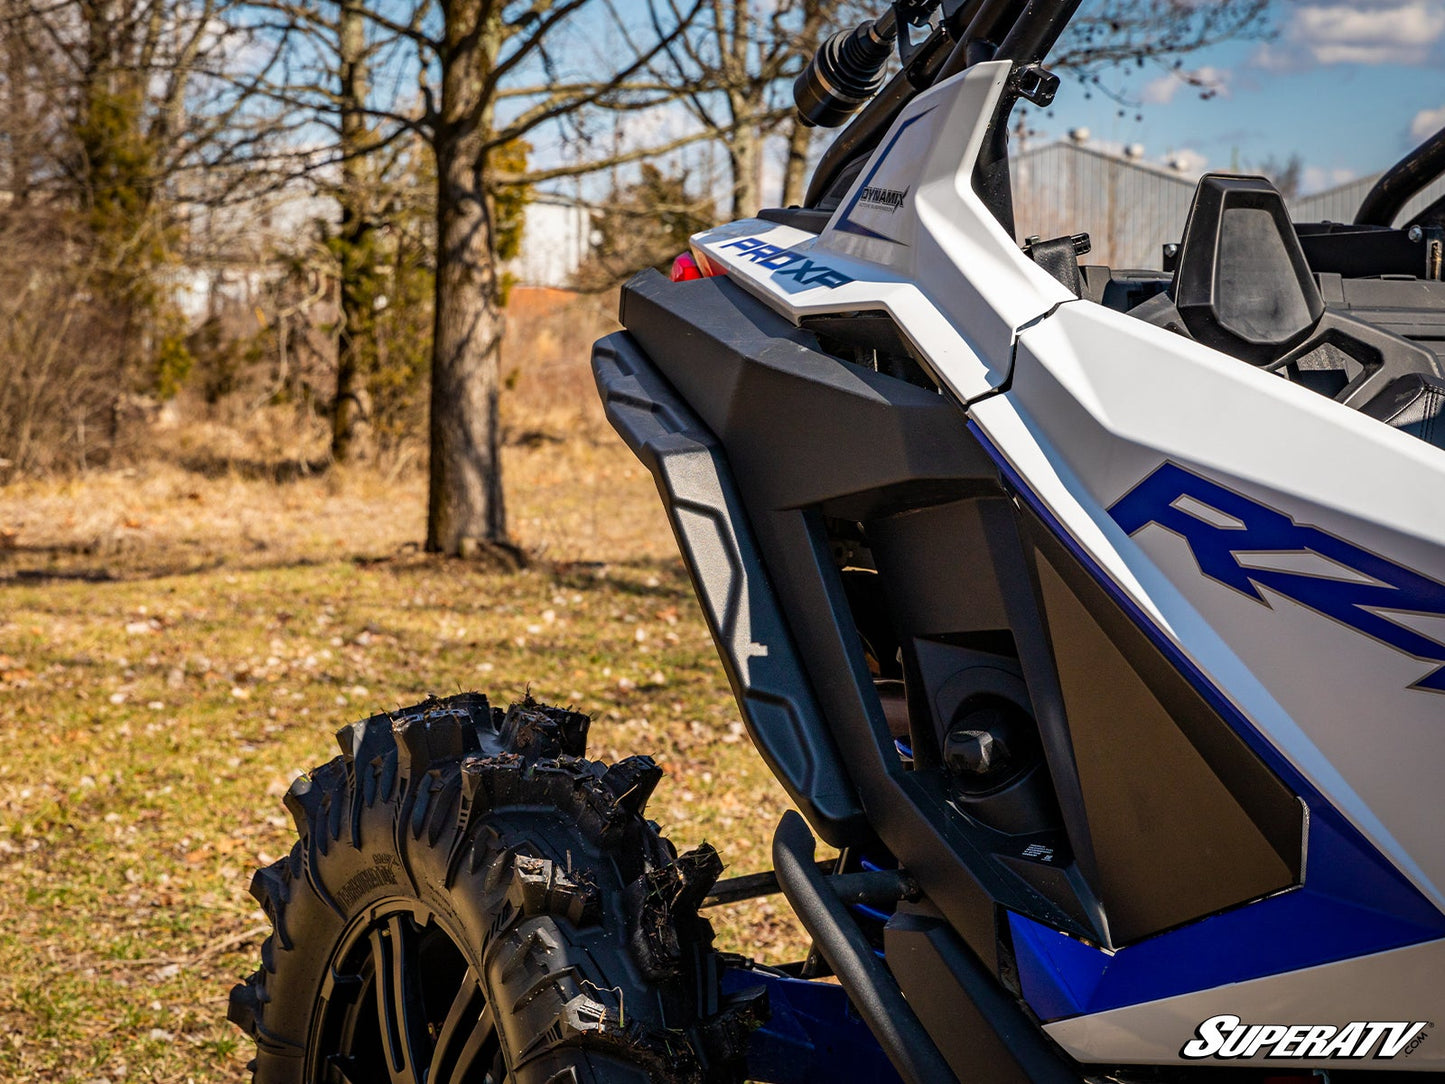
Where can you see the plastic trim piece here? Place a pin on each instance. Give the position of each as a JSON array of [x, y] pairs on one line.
[[808, 436], [712, 532]]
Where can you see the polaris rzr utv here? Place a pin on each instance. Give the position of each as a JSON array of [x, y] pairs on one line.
[[1096, 616]]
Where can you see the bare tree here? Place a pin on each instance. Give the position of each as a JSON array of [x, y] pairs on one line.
[[732, 66], [483, 49], [346, 85], [642, 223], [1117, 33], [490, 73], [354, 135], [23, 73], [1286, 173], [486, 74], [351, 409], [818, 18], [122, 115]]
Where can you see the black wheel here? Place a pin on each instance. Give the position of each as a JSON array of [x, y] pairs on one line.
[[472, 902]]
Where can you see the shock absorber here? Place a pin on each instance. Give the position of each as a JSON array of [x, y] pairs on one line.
[[847, 69], [845, 72]]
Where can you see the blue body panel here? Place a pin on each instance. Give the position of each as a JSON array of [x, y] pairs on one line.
[[1353, 902], [813, 1034]]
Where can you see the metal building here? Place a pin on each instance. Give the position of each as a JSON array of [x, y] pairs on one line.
[[556, 239], [1128, 207], [1339, 204], [1131, 208]]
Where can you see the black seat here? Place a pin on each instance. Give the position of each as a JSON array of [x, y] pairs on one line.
[[1414, 403], [1242, 284]]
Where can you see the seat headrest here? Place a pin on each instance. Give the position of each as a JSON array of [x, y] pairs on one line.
[[1242, 284]]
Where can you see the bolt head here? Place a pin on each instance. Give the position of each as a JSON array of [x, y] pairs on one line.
[[974, 752]]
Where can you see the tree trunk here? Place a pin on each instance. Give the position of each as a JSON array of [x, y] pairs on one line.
[[465, 511], [817, 14], [745, 158], [17, 88], [350, 413], [795, 167]]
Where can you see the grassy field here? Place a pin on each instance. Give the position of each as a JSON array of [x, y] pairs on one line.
[[176, 645]]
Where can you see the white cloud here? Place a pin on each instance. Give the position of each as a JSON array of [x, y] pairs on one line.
[[1186, 161], [1208, 79], [1317, 178], [1426, 123], [1160, 91], [1373, 32]]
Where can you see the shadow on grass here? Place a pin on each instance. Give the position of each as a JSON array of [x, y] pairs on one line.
[[642, 577], [140, 571], [210, 465], [668, 579]]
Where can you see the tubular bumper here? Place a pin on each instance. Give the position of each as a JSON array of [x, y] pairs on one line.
[[712, 532]]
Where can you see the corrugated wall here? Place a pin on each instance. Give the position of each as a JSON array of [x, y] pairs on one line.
[[1131, 209], [1340, 204]]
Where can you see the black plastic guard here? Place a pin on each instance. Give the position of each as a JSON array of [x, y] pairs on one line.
[[712, 532], [806, 438]]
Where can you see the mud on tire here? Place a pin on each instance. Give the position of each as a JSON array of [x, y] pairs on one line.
[[470, 900]]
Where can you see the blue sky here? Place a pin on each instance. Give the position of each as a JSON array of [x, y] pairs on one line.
[[1349, 87]]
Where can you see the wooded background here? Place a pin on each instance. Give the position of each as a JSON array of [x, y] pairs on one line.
[[258, 341], [363, 168]]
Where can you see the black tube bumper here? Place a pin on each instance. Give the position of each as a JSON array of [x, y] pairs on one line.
[[727, 571]]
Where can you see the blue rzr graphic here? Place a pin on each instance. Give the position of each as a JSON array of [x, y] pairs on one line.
[[1163, 498]]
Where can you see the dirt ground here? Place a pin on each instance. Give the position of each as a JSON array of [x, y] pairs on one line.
[[180, 638]]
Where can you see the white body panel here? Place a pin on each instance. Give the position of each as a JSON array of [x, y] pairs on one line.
[[1099, 400], [1389, 986], [955, 282], [1084, 403]]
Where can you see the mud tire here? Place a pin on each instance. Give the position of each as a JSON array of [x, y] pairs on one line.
[[471, 900]]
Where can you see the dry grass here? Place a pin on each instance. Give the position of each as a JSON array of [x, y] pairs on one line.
[[256, 490], [176, 644], [571, 499]]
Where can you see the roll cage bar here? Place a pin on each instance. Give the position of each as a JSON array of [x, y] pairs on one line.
[[970, 31], [1024, 32]]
